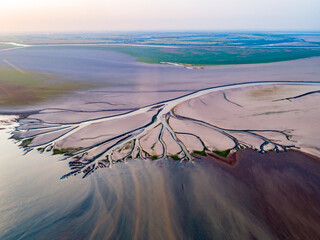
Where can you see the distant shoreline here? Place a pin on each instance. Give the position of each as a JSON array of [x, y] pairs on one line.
[[192, 55]]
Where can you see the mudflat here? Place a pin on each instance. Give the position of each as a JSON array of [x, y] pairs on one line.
[[162, 152]]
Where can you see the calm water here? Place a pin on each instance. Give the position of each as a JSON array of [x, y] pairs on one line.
[[269, 196], [146, 83]]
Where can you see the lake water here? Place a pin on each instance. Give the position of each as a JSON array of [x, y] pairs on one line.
[[261, 196], [269, 196], [118, 75]]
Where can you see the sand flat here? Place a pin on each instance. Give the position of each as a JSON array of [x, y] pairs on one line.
[[273, 116]]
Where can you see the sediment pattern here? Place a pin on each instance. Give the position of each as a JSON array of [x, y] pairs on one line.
[[214, 122]]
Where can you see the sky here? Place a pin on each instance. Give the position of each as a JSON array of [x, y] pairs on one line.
[[151, 15]]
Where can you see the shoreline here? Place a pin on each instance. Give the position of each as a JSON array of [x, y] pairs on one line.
[[115, 71], [188, 65], [129, 134], [200, 91]]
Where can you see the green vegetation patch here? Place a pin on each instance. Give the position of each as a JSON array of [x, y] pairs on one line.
[[58, 151], [175, 157], [18, 87], [26, 142], [66, 151], [224, 153], [214, 55], [202, 153]]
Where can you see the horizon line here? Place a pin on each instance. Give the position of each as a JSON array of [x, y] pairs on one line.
[[162, 31]]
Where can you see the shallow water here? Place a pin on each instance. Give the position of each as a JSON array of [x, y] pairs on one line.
[[262, 196], [121, 77]]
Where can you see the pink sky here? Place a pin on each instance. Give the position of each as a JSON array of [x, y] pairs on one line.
[[104, 15]]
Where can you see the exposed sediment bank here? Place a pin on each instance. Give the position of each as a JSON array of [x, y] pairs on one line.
[[265, 116]]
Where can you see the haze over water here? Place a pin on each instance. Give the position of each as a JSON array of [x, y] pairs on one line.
[[131, 15], [159, 119]]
